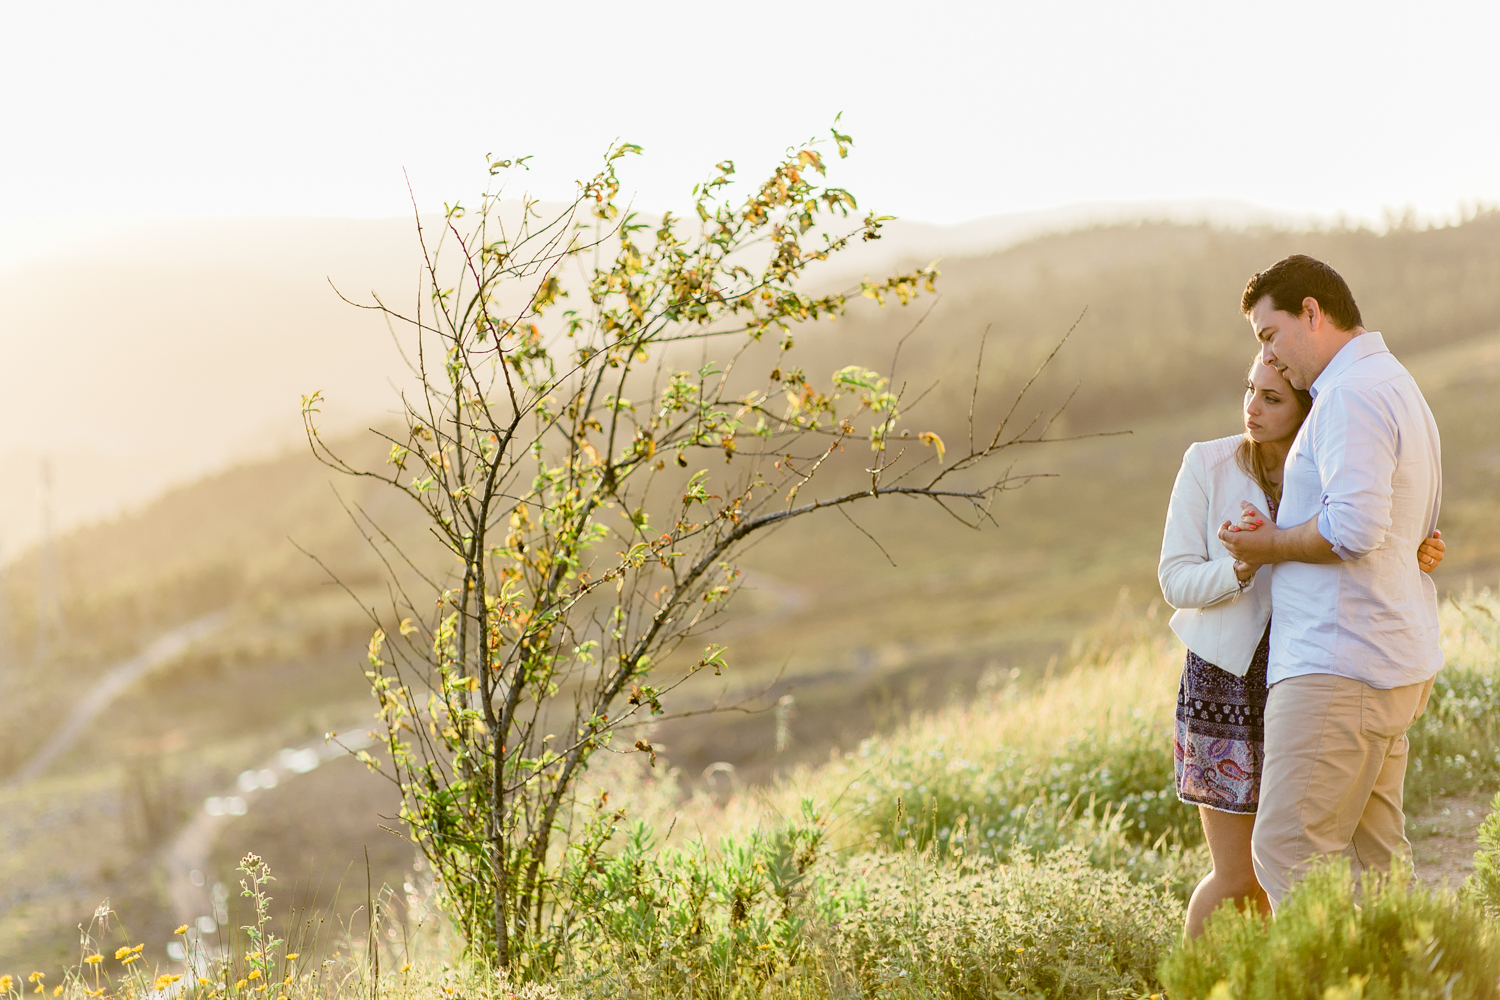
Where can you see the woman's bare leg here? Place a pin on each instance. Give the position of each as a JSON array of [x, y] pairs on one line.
[[1233, 876]]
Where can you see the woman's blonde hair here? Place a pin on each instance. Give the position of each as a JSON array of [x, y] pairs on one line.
[[1250, 457]]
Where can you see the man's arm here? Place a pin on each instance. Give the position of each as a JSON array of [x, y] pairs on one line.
[[1355, 440], [1262, 543], [1303, 543]]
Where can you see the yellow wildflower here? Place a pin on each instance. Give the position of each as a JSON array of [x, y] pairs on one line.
[[57, 990], [287, 981], [132, 958], [5, 984], [254, 974], [294, 956], [406, 967], [166, 979], [94, 959], [36, 977], [181, 930], [121, 952], [137, 948], [241, 984]]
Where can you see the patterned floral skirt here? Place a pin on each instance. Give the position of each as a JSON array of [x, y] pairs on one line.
[[1219, 747]]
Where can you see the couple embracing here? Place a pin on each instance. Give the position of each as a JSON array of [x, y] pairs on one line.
[[1297, 555]]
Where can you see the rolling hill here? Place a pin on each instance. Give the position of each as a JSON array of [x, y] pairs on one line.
[[857, 642]]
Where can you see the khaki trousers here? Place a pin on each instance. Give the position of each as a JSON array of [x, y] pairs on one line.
[[1335, 762]]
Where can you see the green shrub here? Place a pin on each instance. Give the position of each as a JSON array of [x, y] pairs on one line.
[[1484, 884], [1403, 940], [1455, 746], [1056, 928], [771, 911], [669, 920]]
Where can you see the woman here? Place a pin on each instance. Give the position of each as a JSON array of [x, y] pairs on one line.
[[1223, 616]]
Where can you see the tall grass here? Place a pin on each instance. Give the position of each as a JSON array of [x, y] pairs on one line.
[[1455, 746], [1028, 843], [1402, 939], [924, 832], [1023, 771], [1086, 760]]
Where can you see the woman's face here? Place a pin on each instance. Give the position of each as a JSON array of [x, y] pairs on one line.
[[1271, 411]]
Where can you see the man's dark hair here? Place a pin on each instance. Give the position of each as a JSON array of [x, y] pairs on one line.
[[1292, 280]]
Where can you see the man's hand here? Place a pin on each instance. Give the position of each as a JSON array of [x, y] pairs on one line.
[[1431, 551]]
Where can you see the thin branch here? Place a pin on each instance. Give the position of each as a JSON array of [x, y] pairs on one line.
[[871, 537]]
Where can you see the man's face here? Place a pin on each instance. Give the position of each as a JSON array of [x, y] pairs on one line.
[[1286, 343]]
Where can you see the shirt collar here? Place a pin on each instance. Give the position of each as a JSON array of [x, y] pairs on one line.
[[1357, 349]]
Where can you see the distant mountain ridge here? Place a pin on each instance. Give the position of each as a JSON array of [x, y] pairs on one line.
[[145, 353]]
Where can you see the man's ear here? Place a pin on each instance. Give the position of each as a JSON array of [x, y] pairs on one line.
[[1313, 310]]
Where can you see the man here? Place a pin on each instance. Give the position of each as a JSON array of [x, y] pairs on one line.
[[1354, 622]]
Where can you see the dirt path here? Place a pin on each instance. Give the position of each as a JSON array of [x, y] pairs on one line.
[[186, 859], [1445, 837], [115, 682]]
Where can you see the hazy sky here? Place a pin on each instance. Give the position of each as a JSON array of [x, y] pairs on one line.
[[958, 109]]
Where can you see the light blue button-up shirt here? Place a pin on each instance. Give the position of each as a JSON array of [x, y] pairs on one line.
[[1367, 465]]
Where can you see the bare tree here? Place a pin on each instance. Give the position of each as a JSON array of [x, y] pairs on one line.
[[558, 455]]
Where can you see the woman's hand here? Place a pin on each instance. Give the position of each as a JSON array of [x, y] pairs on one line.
[[1250, 519], [1243, 571], [1430, 552]]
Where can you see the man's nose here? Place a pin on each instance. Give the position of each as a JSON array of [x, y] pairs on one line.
[[1267, 356]]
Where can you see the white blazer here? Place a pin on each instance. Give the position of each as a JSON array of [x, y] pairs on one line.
[[1214, 618]]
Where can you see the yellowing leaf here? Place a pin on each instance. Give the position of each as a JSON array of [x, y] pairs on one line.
[[931, 439]]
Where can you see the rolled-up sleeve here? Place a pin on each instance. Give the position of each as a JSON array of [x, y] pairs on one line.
[[1355, 440]]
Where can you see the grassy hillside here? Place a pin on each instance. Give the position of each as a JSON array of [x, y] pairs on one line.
[[857, 643], [1023, 843]]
